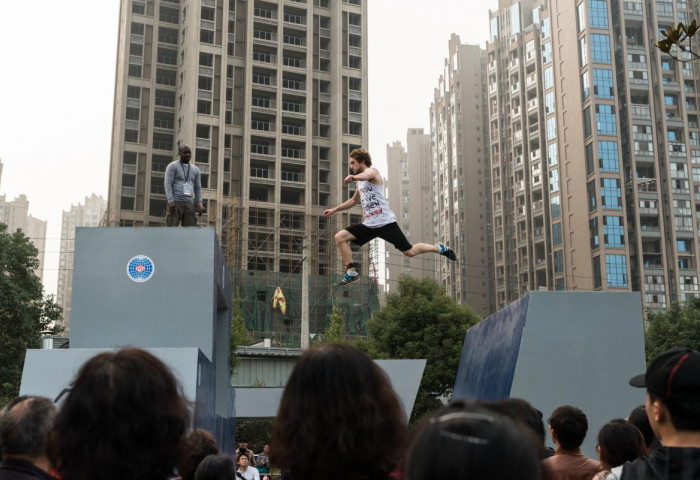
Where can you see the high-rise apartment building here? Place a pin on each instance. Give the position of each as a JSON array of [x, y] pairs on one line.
[[595, 149], [270, 94], [15, 214], [410, 194], [89, 214], [459, 143]]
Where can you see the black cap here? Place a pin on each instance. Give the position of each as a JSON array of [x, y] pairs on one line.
[[673, 375]]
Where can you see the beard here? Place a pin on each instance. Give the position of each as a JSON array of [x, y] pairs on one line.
[[184, 160]]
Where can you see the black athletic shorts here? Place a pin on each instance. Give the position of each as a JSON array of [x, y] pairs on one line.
[[390, 232]]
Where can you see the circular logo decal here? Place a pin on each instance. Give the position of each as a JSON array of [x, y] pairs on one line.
[[140, 268]]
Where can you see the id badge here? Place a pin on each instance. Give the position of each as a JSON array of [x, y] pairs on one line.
[[187, 189]]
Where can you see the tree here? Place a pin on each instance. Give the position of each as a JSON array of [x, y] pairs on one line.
[[678, 326], [24, 311], [680, 37], [335, 331], [239, 332], [422, 321]]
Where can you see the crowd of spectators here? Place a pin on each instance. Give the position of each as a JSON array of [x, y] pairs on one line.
[[339, 418]]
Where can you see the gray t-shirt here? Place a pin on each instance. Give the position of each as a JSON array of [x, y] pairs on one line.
[[183, 183]]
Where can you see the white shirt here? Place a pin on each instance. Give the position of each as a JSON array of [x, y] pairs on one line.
[[251, 473]]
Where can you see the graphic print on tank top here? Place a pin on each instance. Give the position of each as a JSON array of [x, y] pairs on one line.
[[374, 204]]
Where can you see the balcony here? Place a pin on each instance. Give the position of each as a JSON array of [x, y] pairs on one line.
[[640, 112], [531, 104]]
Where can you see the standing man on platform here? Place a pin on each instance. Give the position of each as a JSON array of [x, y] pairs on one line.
[[183, 187], [379, 220]]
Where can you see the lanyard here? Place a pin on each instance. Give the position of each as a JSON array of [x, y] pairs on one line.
[[187, 175]]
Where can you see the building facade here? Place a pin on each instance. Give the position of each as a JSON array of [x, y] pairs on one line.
[[89, 214], [15, 214], [458, 140], [592, 132], [271, 95], [410, 194]]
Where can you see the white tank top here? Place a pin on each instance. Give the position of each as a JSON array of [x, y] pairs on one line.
[[374, 204]]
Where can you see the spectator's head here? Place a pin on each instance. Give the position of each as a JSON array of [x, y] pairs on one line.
[[618, 442], [465, 440], [198, 444], [361, 156], [242, 460], [125, 417], [639, 418], [266, 450], [25, 424], [568, 426], [338, 401], [216, 467], [673, 392], [521, 410]]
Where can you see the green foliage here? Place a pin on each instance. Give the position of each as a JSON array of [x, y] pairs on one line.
[[678, 37], [258, 433], [239, 332], [678, 326], [421, 321], [24, 312], [335, 331]]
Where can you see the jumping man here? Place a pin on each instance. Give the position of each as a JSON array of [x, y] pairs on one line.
[[379, 220]]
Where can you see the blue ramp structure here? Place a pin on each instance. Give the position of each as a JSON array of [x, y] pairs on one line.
[[556, 348], [167, 290]]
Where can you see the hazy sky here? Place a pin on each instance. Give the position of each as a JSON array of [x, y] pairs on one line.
[[57, 91]]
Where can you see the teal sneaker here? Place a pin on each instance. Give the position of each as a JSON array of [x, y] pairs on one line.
[[347, 279], [446, 251]]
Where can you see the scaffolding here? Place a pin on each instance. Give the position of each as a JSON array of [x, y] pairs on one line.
[[294, 242]]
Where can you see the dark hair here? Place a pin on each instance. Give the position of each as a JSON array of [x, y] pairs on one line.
[[685, 415], [521, 411], [215, 467], [362, 156], [619, 442], [639, 418], [198, 444], [570, 426], [25, 425], [125, 417], [465, 440], [339, 402]]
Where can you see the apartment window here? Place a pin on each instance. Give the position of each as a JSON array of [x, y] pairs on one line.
[[603, 83], [592, 199], [608, 157], [585, 88], [598, 13], [138, 8], [206, 59], [551, 128], [547, 53], [208, 13], [355, 84], [581, 17], [206, 36], [554, 181], [548, 77], [587, 122], [556, 234], [597, 282], [605, 119], [600, 48], [589, 159], [610, 193], [613, 232], [555, 204], [558, 262], [553, 154], [593, 229], [583, 51], [616, 270]]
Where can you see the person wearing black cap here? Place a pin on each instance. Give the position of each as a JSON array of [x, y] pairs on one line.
[[673, 405]]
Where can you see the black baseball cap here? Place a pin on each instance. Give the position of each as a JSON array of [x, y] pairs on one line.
[[673, 375]]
